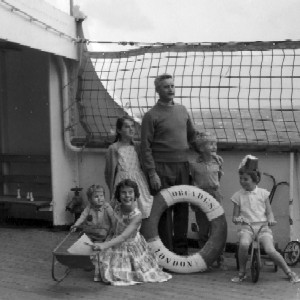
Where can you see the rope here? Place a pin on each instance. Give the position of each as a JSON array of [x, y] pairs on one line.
[[246, 93]]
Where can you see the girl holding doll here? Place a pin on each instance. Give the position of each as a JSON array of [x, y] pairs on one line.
[[126, 258]]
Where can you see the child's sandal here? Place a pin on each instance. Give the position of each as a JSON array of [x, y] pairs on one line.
[[294, 278], [97, 278], [241, 277], [97, 275]]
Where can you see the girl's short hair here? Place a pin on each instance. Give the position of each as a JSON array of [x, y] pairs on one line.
[[93, 188], [119, 124], [254, 174], [127, 183]]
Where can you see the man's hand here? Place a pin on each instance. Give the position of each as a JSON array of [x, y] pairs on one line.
[[155, 182]]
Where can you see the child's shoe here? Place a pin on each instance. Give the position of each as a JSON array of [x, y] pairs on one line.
[[241, 277], [97, 278], [294, 278]]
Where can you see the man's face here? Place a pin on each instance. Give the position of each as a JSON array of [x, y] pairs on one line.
[[166, 90]]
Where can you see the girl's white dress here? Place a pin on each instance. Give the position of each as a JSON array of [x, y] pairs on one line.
[[129, 168], [131, 261]]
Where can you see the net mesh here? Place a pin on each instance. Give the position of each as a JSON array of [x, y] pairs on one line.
[[245, 93]]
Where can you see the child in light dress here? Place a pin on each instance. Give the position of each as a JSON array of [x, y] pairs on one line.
[[252, 204], [122, 161], [126, 258], [97, 218], [206, 172]]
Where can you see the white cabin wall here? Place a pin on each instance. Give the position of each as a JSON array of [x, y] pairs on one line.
[[91, 171], [63, 5], [64, 164], [295, 206]]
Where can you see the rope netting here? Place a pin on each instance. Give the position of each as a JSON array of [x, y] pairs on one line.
[[245, 93]]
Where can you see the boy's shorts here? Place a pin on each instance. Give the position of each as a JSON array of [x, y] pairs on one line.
[[245, 234]]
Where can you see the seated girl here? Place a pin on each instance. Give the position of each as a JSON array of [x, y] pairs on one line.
[[126, 258]]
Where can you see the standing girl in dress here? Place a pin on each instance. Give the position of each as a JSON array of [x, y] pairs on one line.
[[122, 161], [126, 258]]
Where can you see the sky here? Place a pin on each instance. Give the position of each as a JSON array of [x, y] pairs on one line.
[[189, 21]]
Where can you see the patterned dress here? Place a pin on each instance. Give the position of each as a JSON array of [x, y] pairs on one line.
[[131, 261], [129, 168]]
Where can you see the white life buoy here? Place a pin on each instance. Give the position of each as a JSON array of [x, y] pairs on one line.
[[199, 261]]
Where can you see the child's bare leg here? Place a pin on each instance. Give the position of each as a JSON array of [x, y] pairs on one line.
[[277, 258], [95, 261], [243, 257], [245, 240]]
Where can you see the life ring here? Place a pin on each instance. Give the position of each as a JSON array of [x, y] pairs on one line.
[[199, 261]]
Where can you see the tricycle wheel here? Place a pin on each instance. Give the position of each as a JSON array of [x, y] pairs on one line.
[[59, 271], [291, 253], [255, 266]]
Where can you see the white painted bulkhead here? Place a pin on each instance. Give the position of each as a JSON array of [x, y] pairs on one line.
[[91, 170]]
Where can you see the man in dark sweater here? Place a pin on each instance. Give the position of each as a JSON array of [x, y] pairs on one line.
[[167, 130]]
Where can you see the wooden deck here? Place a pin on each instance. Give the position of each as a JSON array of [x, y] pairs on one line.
[[25, 273]]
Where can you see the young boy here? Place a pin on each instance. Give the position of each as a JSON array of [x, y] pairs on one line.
[[206, 172], [97, 217]]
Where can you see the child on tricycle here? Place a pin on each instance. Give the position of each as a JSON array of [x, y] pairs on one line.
[[252, 204]]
